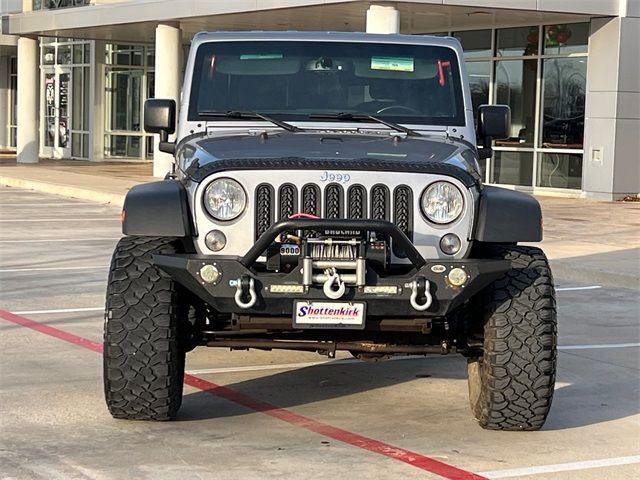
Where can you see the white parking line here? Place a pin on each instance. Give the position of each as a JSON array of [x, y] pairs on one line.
[[572, 289], [51, 269], [58, 240], [595, 347], [67, 204], [562, 467], [60, 310], [64, 219]]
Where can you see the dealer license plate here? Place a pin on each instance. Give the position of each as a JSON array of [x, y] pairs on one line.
[[329, 314]]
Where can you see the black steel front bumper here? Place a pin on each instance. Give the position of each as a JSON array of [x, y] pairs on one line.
[[395, 303]]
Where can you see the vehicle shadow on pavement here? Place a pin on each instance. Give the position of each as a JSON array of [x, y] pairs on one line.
[[325, 382], [586, 394], [594, 392]]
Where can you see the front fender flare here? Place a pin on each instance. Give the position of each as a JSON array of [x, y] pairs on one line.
[[507, 216], [157, 209]]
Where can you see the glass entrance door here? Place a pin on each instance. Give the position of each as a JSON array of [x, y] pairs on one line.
[[57, 121]]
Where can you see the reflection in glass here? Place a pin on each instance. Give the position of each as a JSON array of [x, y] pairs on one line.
[[123, 146], [76, 118], [123, 93], [566, 38], [516, 87], [512, 168], [48, 55], [560, 170], [63, 110], [475, 43], [517, 42], [479, 74], [76, 145], [64, 54], [563, 102]]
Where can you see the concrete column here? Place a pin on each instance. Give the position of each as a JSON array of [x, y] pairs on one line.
[[98, 94], [383, 19], [168, 82], [27, 141], [611, 168]]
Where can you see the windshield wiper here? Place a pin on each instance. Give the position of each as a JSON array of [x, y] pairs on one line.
[[261, 116], [362, 117]]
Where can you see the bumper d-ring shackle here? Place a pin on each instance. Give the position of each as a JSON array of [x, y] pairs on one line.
[[245, 287], [416, 293]]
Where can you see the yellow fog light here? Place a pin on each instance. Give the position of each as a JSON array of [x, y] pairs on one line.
[[457, 277], [210, 273]]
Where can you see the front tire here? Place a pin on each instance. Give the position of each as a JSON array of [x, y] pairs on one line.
[[511, 384], [143, 357]]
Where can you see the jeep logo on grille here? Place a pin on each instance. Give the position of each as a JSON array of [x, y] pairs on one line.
[[335, 177]]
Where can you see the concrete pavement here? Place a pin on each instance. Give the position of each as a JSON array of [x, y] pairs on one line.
[[586, 240], [54, 259]]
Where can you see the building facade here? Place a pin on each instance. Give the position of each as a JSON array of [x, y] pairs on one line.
[[74, 75]]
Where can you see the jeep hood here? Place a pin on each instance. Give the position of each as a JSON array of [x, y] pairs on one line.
[[340, 148]]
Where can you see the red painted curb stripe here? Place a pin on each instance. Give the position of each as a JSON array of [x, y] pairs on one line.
[[51, 331], [406, 456]]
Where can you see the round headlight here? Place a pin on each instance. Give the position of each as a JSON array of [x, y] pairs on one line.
[[442, 202], [225, 199]]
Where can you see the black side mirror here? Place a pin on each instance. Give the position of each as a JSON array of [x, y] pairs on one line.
[[494, 121], [160, 117]]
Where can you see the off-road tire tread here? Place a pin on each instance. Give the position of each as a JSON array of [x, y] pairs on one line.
[[143, 361], [516, 373]]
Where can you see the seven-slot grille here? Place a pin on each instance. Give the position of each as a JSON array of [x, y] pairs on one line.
[[334, 201]]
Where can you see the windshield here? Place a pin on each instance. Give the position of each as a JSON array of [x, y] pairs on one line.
[[292, 80]]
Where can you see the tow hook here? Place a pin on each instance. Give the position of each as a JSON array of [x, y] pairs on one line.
[[245, 286], [328, 287], [418, 291]]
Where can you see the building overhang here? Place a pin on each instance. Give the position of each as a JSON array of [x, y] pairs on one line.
[[135, 21]]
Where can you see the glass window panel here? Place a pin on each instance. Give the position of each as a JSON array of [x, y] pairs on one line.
[[149, 148], [87, 53], [566, 38], [86, 89], [48, 55], [78, 53], [516, 87], [517, 42], [564, 86], [124, 95], [476, 43], [76, 103], [512, 168], [560, 170], [479, 74], [64, 54], [483, 168], [151, 57], [122, 59], [76, 145], [85, 145], [124, 146], [151, 85], [50, 134], [136, 58], [14, 99]]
